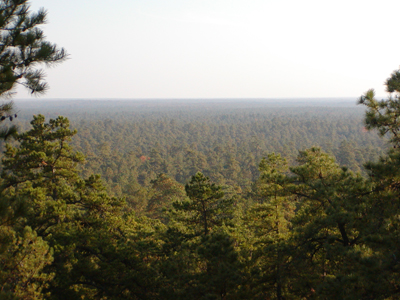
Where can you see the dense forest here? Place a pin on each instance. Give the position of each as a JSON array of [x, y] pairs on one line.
[[192, 199], [207, 200], [130, 142]]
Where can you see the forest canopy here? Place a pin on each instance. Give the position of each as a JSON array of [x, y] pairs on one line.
[[179, 200], [200, 204]]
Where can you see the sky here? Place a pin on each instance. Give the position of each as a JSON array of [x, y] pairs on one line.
[[136, 49]]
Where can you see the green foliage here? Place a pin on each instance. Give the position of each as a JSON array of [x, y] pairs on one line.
[[42, 169], [130, 142], [384, 210], [201, 260], [23, 253], [307, 229], [383, 115], [22, 259], [44, 153], [23, 47], [163, 192], [393, 82], [221, 276], [95, 241], [270, 223], [206, 207], [330, 216]]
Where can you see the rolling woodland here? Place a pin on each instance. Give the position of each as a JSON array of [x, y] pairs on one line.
[[192, 199], [202, 199]]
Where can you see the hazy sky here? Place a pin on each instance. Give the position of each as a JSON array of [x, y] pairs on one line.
[[221, 48]]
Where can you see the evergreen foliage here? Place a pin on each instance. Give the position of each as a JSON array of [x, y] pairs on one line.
[[24, 253], [304, 228], [92, 236], [270, 222], [23, 47], [206, 207]]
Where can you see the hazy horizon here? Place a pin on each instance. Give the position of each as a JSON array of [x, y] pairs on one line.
[[191, 99], [220, 49], [159, 104]]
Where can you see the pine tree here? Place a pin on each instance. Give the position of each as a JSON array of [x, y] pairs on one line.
[[39, 179], [163, 192], [383, 226], [23, 254], [206, 207], [35, 177], [43, 169], [195, 234], [23, 47], [328, 241], [95, 241], [269, 221], [221, 275]]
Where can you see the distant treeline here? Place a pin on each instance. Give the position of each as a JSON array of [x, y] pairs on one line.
[[127, 141], [262, 227]]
